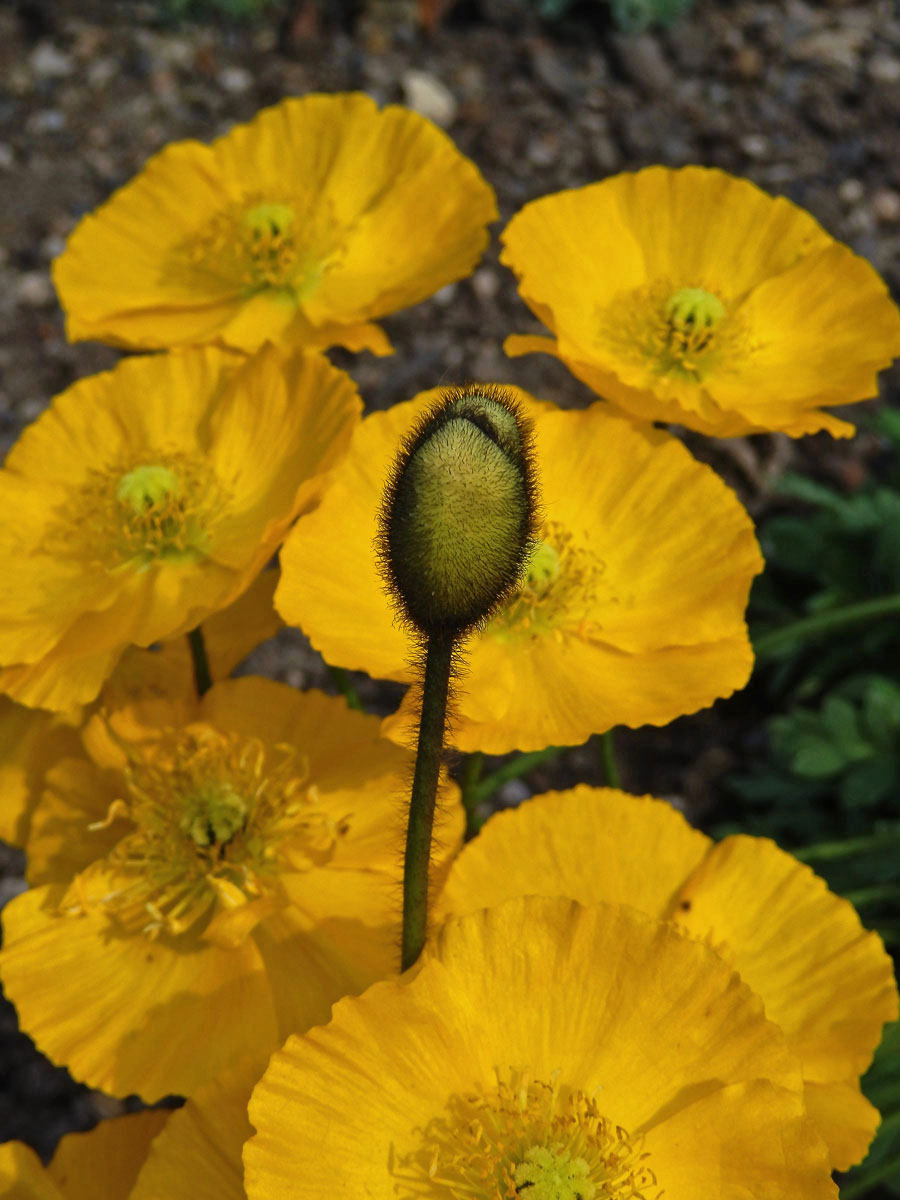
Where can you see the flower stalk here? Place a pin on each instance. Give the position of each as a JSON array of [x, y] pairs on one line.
[[457, 525], [436, 686], [202, 675]]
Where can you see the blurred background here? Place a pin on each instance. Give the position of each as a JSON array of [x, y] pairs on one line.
[[802, 98]]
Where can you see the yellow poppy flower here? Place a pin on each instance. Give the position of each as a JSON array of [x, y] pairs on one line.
[[210, 888], [632, 611], [578, 1052], [149, 497], [103, 1162], [319, 215], [691, 296], [823, 979], [32, 740]]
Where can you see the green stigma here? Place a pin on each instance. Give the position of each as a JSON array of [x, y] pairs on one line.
[[147, 487], [549, 1175], [543, 568], [213, 815], [458, 517], [694, 309], [268, 220]]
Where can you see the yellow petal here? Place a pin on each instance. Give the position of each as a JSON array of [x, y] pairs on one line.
[[23, 1176], [198, 1154], [105, 1161], [589, 844], [830, 986], [845, 1119], [152, 1017]]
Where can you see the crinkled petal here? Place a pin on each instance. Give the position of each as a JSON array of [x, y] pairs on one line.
[[152, 1017], [589, 844], [827, 982]]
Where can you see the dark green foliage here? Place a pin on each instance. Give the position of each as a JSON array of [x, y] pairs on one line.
[[824, 781], [879, 1175], [631, 16], [233, 9]]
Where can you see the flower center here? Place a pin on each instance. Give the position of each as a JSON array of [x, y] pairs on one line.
[[692, 314], [554, 1176], [563, 587], [679, 333], [269, 246], [527, 1138], [215, 819], [259, 244], [151, 511]]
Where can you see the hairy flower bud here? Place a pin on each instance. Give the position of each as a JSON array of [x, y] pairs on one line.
[[458, 515]]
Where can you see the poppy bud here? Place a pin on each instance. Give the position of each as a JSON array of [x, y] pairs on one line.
[[458, 516]]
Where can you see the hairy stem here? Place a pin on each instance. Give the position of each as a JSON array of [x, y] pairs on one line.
[[202, 676], [438, 662]]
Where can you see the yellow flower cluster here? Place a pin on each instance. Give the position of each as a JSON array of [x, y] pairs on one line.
[[610, 1006]]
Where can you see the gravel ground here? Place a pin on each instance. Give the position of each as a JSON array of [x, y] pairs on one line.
[[802, 98]]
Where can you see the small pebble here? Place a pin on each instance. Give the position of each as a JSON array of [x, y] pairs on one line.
[[644, 62], [886, 206], [485, 284], [46, 120], [49, 63], [35, 289], [7, 156], [884, 68], [101, 71], [234, 80], [52, 246], [851, 192], [426, 95], [748, 63], [445, 295], [543, 151], [755, 145], [513, 793]]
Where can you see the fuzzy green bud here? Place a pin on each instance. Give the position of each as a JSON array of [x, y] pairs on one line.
[[458, 517]]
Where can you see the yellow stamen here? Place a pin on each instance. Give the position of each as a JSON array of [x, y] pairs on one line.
[[563, 589], [527, 1138], [139, 513], [679, 333], [214, 820]]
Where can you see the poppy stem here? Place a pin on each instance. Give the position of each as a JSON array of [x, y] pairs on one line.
[[345, 686], [520, 765], [432, 724], [611, 774], [848, 847], [777, 641], [202, 676], [471, 774]]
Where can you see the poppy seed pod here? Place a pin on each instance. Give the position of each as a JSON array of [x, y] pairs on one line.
[[458, 516]]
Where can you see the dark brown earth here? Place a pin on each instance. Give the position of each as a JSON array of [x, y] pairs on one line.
[[802, 98]]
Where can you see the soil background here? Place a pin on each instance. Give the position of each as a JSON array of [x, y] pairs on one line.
[[804, 99]]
